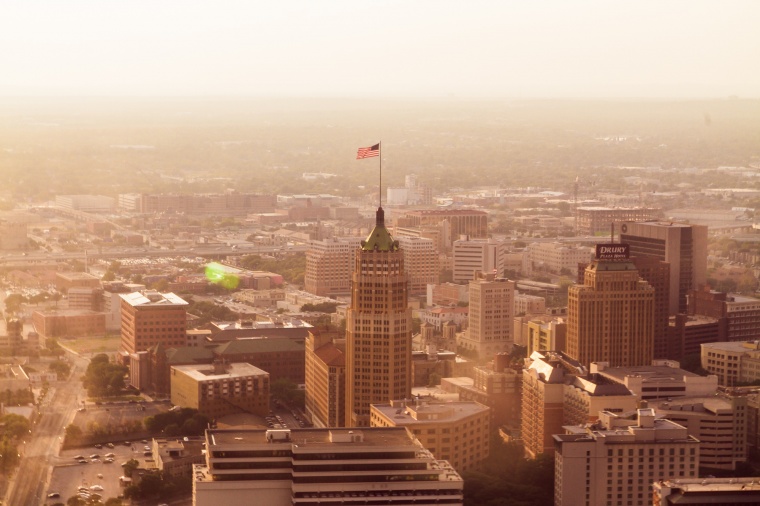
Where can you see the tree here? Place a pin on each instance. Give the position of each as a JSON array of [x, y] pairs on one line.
[[13, 302], [14, 425], [60, 367], [73, 432], [129, 467]]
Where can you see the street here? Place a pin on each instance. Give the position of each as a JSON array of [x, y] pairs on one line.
[[43, 445]]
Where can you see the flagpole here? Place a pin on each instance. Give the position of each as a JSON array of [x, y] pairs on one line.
[[380, 156]]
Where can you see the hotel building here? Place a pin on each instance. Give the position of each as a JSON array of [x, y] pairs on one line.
[[611, 316], [616, 460]]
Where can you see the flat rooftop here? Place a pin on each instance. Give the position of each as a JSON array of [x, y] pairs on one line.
[[433, 412], [375, 436], [704, 485], [148, 298], [650, 372], [205, 372]]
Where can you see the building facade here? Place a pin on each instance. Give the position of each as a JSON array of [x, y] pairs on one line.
[[617, 460], [420, 263], [329, 264], [683, 246], [457, 432], [378, 327], [555, 258], [470, 256], [491, 307], [311, 467], [221, 389], [325, 396], [149, 318], [611, 316]]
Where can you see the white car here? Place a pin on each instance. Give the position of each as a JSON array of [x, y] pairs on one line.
[[96, 488]]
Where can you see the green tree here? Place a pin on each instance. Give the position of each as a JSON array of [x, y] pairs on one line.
[[73, 432], [60, 367], [13, 302], [129, 467]]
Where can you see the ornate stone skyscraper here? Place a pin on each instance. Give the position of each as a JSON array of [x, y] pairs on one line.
[[378, 327], [610, 318]]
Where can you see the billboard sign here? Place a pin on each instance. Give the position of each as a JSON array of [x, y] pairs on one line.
[[612, 252]]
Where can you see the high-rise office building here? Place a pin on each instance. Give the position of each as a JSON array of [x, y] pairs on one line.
[[683, 246], [491, 311], [657, 273], [610, 317], [378, 327]]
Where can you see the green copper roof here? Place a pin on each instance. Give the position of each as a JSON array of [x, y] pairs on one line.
[[380, 239]]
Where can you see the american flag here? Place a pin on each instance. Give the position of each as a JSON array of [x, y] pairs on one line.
[[368, 152]]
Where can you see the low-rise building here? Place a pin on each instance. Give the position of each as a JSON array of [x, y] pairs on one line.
[[318, 466], [454, 431], [221, 389], [718, 421], [662, 380], [732, 362], [706, 491], [176, 457]]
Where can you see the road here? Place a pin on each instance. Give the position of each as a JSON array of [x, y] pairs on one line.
[[41, 449], [217, 251]]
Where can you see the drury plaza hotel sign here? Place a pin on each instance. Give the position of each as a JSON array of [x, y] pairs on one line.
[[612, 251]]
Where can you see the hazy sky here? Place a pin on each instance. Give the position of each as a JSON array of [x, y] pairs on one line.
[[563, 48]]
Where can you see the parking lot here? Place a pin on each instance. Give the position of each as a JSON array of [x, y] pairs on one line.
[[69, 474]]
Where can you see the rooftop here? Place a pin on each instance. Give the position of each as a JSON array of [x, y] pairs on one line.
[[376, 436], [206, 372], [424, 412], [148, 298]]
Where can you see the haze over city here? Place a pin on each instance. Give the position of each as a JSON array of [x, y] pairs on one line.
[[423, 49], [209, 296]]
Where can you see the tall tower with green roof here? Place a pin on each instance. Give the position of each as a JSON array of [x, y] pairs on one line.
[[378, 327]]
